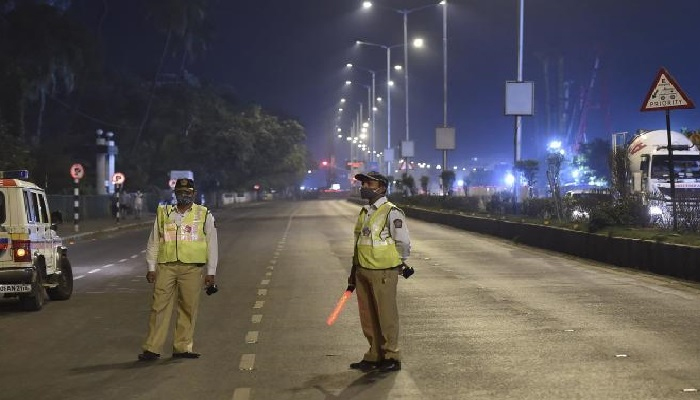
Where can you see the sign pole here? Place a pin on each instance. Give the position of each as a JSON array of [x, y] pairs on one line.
[[671, 172], [76, 172], [666, 94], [76, 204]]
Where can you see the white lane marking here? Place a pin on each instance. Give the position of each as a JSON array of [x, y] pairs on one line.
[[270, 267], [251, 337], [690, 390], [247, 362], [259, 304], [123, 260], [78, 277], [241, 394], [265, 282], [256, 318], [268, 274], [276, 254], [143, 251], [262, 292], [273, 262], [108, 265], [134, 256], [93, 271]]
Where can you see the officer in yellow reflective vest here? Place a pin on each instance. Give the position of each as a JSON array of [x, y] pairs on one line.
[[382, 244], [182, 246]]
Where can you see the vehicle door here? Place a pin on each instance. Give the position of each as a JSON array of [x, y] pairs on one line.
[[38, 226], [5, 219]]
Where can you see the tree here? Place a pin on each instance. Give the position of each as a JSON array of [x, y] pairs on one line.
[[448, 179], [41, 51], [424, 183], [529, 169], [179, 18]]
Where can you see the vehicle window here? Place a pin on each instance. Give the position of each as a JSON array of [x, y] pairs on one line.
[[29, 206], [43, 209], [2, 208]]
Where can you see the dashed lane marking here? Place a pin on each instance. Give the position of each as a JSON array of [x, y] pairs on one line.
[[259, 304], [123, 260], [247, 362], [93, 271], [262, 292], [78, 277], [251, 337], [265, 282], [108, 265], [134, 256], [256, 318], [268, 274], [241, 394]]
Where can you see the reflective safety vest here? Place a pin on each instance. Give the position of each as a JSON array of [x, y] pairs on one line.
[[185, 243], [372, 251]]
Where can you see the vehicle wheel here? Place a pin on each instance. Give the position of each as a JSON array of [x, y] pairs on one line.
[[65, 282], [34, 301]]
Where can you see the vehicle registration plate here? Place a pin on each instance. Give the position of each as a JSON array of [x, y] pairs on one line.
[[16, 288]]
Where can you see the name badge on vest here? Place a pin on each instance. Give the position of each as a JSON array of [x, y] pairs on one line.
[[365, 231]]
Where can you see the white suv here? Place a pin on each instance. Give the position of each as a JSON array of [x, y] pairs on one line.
[[33, 259]]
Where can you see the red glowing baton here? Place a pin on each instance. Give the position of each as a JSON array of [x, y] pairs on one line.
[[339, 306]]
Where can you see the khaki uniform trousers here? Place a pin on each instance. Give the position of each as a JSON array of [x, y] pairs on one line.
[[183, 281], [379, 314]]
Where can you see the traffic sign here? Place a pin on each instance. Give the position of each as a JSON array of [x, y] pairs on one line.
[[77, 171], [118, 178], [666, 94]]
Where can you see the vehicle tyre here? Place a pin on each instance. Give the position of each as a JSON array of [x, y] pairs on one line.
[[65, 282], [34, 301]]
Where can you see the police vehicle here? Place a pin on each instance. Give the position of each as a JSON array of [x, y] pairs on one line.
[[33, 260]]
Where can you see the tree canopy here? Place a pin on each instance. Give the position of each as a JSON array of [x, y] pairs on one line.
[[55, 93]]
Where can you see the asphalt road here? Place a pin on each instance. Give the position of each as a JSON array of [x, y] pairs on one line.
[[481, 319]]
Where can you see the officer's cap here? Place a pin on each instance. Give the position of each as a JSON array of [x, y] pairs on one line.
[[184, 184], [373, 176]]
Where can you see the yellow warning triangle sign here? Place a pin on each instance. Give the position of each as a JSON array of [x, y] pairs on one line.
[[666, 94]]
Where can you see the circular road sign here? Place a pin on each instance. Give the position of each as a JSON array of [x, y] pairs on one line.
[[77, 171], [118, 178]]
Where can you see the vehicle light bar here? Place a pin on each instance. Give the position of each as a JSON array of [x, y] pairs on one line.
[[15, 174]]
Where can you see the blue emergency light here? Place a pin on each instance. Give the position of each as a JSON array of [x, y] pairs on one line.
[[16, 174]]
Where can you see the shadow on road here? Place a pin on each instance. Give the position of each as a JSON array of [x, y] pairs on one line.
[[371, 385]]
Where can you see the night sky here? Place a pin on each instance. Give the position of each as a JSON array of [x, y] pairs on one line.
[[289, 56]]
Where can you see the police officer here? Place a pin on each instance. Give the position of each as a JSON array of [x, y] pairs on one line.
[[182, 246], [382, 245]]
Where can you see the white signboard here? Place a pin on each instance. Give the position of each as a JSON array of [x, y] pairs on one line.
[[520, 98]]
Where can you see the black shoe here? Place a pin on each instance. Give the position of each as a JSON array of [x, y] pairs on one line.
[[390, 365], [186, 354], [148, 356], [364, 365]]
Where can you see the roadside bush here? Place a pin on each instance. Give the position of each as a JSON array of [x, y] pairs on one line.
[[538, 207]]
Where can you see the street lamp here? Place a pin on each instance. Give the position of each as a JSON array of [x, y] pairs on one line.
[[405, 12], [389, 83], [372, 104]]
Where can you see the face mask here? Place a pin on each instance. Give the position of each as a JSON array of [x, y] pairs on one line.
[[367, 193], [184, 199]]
